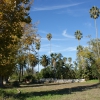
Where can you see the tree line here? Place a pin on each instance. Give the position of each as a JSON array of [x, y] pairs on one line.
[[20, 45]]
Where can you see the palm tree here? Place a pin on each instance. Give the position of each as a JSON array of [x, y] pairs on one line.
[[64, 59], [38, 48], [79, 48], [21, 64], [59, 56], [44, 61], [33, 60], [53, 59], [69, 60], [78, 35], [94, 13], [49, 36]]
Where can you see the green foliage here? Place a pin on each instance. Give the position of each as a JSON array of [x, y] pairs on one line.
[[47, 72], [78, 35], [94, 12], [49, 36], [44, 61], [30, 78], [37, 46], [15, 84], [14, 76], [11, 30], [39, 75], [89, 61], [59, 68]]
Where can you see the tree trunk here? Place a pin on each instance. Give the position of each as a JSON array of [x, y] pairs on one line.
[[97, 38], [6, 79], [1, 81], [99, 78], [38, 62], [20, 73], [50, 51], [32, 70]]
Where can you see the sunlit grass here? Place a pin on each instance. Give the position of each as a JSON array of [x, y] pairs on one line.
[[93, 81], [69, 91]]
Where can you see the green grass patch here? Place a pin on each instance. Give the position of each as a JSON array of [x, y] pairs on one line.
[[52, 91], [93, 81]]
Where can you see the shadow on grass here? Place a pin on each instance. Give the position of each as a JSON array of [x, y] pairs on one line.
[[23, 96], [39, 85]]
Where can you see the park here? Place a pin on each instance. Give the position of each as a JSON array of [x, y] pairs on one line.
[[60, 78]]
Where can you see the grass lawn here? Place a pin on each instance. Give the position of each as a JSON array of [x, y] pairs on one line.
[[70, 91]]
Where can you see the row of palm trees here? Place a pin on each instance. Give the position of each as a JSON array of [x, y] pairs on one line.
[[94, 13], [78, 36], [37, 46]]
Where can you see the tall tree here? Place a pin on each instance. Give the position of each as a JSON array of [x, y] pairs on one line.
[[49, 36], [59, 56], [33, 61], [78, 35], [91, 56], [94, 13], [79, 48], [44, 61], [64, 59], [21, 61], [38, 48], [13, 13], [69, 60], [53, 59], [29, 39]]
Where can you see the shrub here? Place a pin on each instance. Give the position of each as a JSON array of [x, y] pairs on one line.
[[15, 84]]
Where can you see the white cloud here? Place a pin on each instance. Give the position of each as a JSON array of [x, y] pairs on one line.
[[59, 39], [41, 31], [67, 35], [55, 39], [44, 49], [56, 7], [44, 38], [46, 45], [68, 49], [88, 24]]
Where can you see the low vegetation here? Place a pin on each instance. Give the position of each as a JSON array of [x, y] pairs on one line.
[[53, 91]]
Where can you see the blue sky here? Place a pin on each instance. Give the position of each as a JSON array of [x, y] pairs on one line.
[[62, 18]]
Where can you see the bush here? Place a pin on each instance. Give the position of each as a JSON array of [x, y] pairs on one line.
[[14, 77], [15, 84], [30, 79]]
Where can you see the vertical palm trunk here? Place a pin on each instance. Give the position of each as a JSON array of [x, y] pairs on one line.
[[20, 74], [32, 70], [22, 70], [50, 52], [79, 42], [50, 46], [97, 37], [29, 58], [38, 62]]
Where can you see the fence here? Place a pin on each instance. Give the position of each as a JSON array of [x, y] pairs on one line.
[[61, 80]]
